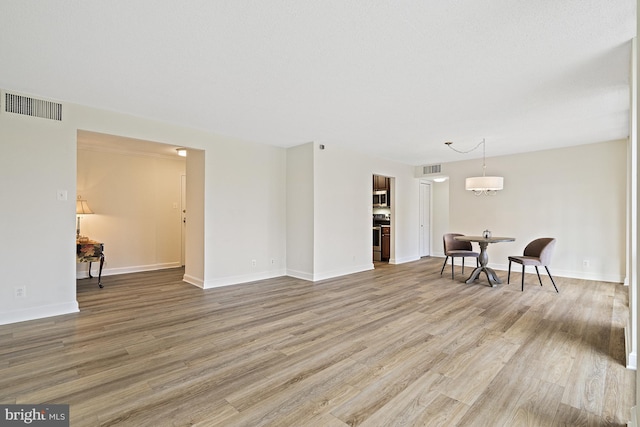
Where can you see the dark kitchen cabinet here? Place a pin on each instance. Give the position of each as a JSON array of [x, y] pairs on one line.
[[380, 183], [386, 244]]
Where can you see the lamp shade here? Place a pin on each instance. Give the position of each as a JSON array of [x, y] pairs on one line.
[[484, 183], [82, 207]]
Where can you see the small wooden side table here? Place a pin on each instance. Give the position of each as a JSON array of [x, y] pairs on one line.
[[91, 251]]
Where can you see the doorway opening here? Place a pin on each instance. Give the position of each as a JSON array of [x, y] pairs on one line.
[[183, 217], [382, 218], [137, 190], [425, 219]]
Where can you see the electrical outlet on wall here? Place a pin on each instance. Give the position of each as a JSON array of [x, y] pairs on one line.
[[253, 263], [20, 291]]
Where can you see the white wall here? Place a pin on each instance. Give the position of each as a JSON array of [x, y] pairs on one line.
[[329, 211], [37, 231], [300, 215], [342, 211], [195, 228], [575, 194], [136, 204], [245, 213]]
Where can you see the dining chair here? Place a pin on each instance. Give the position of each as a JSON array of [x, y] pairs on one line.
[[455, 248], [536, 253]]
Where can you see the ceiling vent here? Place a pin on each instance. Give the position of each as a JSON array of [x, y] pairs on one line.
[[32, 107], [431, 169]]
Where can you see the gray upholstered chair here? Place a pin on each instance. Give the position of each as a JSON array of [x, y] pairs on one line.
[[455, 248], [538, 252]]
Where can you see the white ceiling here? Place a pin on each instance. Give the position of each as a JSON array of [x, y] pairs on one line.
[[394, 78], [95, 141]]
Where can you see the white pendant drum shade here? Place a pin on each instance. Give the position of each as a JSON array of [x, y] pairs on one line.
[[484, 183], [487, 185]]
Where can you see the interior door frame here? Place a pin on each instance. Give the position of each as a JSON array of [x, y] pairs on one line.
[[425, 217], [183, 217]]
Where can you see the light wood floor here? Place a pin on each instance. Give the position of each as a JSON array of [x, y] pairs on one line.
[[399, 345]]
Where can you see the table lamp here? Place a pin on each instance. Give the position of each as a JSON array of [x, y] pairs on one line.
[[82, 208]]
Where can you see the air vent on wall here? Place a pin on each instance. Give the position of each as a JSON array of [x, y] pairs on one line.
[[429, 169], [32, 107]]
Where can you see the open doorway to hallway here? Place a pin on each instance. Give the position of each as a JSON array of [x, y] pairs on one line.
[[136, 191]]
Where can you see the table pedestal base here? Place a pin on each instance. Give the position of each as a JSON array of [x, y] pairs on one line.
[[483, 258], [491, 275]]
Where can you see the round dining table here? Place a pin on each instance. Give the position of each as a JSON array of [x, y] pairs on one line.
[[484, 257]]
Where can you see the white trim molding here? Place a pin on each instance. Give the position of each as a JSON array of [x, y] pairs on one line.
[[38, 312]]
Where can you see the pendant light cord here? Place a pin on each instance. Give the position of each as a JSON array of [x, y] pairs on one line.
[[484, 166]]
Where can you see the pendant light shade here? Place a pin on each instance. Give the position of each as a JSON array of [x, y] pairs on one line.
[[484, 183], [487, 185]]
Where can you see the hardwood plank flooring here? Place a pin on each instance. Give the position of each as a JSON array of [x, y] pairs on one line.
[[396, 346]]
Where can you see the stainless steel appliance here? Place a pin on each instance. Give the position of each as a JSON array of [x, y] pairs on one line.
[[380, 199], [377, 243], [381, 219]]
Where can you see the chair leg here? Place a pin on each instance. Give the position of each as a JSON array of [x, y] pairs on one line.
[[453, 262], [538, 273], [462, 265], [509, 275], [444, 264], [554, 283], [522, 277]]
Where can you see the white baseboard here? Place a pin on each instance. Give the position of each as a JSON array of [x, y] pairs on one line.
[[303, 275], [584, 275], [561, 273], [39, 312], [245, 278], [632, 361], [196, 281], [403, 260], [632, 357], [311, 277], [342, 272], [124, 270]]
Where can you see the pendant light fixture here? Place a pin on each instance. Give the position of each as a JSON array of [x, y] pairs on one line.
[[487, 185]]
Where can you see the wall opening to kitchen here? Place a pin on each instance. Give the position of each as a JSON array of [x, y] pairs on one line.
[[381, 218]]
